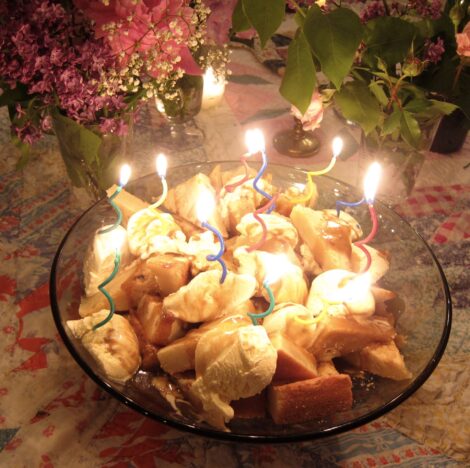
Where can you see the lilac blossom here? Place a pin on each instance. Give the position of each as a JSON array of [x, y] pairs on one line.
[[55, 57], [372, 10], [434, 50]]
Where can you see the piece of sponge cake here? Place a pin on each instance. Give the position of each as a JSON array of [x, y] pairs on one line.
[[293, 362], [308, 400]]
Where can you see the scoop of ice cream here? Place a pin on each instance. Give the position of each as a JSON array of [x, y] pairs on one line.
[[229, 366], [341, 292], [198, 248], [114, 346], [379, 265], [151, 231], [278, 227], [242, 200], [347, 220], [283, 320], [205, 298], [99, 259], [289, 284]]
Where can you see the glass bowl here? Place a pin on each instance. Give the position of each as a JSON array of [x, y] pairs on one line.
[[424, 315]]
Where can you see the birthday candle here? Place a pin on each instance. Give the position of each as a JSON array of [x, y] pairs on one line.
[[371, 183], [161, 166], [278, 266], [117, 241], [337, 146], [205, 208]]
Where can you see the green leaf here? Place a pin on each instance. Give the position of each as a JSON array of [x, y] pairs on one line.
[[388, 38], [25, 152], [410, 129], [265, 16], [443, 107], [334, 38], [379, 93], [358, 105], [299, 69], [391, 123], [247, 79], [265, 114], [239, 20], [416, 106]]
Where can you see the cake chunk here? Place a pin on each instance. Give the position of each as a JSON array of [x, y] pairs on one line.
[[127, 203], [250, 408], [310, 399], [293, 362], [383, 359], [337, 336]]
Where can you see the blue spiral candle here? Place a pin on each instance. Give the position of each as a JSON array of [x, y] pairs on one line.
[[124, 178], [205, 208], [255, 142]]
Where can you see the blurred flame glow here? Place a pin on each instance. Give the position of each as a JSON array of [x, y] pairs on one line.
[[254, 140], [125, 174], [161, 164], [371, 182], [337, 146], [205, 206]]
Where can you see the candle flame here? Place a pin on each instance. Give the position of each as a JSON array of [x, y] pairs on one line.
[[371, 182], [337, 146], [124, 175], [118, 236], [276, 266], [209, 76], [205, 206], [254, 140], [161, 165]]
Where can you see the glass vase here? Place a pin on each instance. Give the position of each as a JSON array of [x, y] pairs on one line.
[[179, 106], [401, 163], [92, 159]]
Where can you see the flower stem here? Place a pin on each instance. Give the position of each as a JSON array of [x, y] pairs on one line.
[[298, 8], [457, 75]]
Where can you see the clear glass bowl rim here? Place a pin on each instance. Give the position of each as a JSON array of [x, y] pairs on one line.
[[268, 439]]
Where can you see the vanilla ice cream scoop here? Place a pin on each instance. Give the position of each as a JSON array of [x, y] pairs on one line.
[[229, 366], [278, 227], [341, 292], [114, 346], [289, 286], [99, 259], [151, 231], [204, 298]]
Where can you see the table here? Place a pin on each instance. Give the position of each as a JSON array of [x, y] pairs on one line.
[[52, 415]]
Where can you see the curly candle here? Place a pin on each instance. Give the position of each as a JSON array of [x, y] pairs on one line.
[[264, 229], [255, 142], [161, 166], [337, 146], [275, 268], [117, 241], [205, 208], [123, 179]]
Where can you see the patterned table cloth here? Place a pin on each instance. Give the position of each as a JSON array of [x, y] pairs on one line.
[[53, 415]]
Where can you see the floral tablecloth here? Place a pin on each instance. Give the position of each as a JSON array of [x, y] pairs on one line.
[[52, 415]]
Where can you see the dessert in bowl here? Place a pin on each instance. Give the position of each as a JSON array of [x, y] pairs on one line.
[[339, 349]]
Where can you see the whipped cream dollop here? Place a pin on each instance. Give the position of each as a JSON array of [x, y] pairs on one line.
[[229, 366]]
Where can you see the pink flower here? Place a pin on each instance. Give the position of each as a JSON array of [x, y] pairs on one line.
[[220, 20], [463, 42], [314, 115]]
